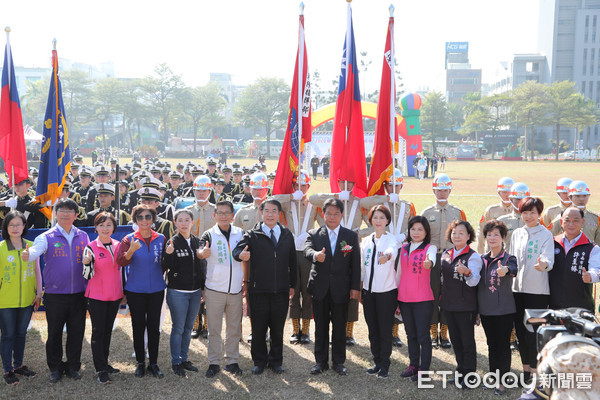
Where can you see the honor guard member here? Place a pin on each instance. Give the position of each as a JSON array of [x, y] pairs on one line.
[[151, 197], [74, 173], [402, 211], [211, 166], [102, 176], [175, 191], [81, 220], [562, 191], [300, 215], [113, 176], [165, 177], [106, 197], [188, 178], [248, 216], [325, 163], [518, 192], [3, 187], [579, 193], [271, 178], [137, 185], [314, 164], [238, 184], [21, 201], [156, 172], [495, 211], [202, 209], [163, 210], [78, 159], [246, 196], [440, 216], [125, 202], [203, 212], [219, 193], [352, 219], [229, 185], [84, 185], [33, 173], [179, 168], [123, 174]]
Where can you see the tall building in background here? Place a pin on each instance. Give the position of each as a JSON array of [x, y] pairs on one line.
[[569, 37], [460, 77]]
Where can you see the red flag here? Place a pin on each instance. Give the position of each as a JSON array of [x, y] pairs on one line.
[[386, 133], [347, 144], [299, 128], [12, 138]]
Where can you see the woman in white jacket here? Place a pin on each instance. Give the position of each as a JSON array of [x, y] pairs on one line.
[[533, 246], [379, 288]]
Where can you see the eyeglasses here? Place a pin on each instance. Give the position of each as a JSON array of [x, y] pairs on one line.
[[65, 211], [223, 214], [16, 226], [147, 217], [333, 215]]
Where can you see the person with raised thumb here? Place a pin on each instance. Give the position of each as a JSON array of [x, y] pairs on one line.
[[320, 256], [540, 265], [25, 254], [170, 248], [204, 253], [245, 254]]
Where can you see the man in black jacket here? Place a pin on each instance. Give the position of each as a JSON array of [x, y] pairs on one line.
[[269, 281], [334, 279]]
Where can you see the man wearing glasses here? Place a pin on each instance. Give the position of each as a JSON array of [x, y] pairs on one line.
[[64, 288], [223, 291]]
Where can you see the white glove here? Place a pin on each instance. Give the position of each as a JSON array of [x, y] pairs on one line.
[[297, 195], [401, 238], [11, 203], [344, 195], [393, 198]]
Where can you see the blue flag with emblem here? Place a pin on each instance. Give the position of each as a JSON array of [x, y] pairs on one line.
[[55, 160]]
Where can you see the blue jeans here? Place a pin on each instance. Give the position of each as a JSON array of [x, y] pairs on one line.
[[184, 308], [13, 324]]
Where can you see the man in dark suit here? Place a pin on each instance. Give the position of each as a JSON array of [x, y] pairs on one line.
[[334, 279]]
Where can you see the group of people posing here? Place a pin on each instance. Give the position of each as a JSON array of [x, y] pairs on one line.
[[306, 257]]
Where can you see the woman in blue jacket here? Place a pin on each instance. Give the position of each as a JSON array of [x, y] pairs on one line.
[[141, 251]]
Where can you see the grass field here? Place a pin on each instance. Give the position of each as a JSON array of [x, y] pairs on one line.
[[474, 189]]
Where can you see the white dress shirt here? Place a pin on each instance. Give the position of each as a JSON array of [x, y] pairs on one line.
[[40, 243], [276, 231]]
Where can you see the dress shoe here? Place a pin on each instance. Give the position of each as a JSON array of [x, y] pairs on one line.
[[319, 369], [205, 333], [188, 366], [445, 343], [373, 370], [140, 371], [195, 334], [278, 369], [295, 338], [178, 370], [350, 341], [234, 369], [112, 370], [304, 339], [257, 370], [55, 376], [212, 370], [155, 371], [340, 369], [103, 377], [396, 342], [73, 374]]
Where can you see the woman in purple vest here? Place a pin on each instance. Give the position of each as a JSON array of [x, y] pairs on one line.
[[461, 267], [145, 287], [104, 291], [415, 296], [496, 301]]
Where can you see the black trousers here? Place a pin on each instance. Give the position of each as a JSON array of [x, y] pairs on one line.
[[527, 344], [497, 331], [145, 314], [416, 317], [435, 281], [461, 326], [327, 311], [268, 311], [102, 314], [379, 308], [64, 309]]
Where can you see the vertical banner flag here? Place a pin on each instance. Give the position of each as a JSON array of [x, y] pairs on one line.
[[12, 139], [386, 130], [348, 161], [299, 125], [55, 160]]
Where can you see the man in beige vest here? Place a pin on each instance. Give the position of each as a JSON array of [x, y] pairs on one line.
[[439, 216], [204, 219], [300, 215], [402, 211], [518, 192], [579, 194], [495, 211], [562, 191], [354, 216]]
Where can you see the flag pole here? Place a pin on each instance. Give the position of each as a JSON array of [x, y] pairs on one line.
[[51, 206], [300, 78], [7, 30], [392, 119], [348, 35]]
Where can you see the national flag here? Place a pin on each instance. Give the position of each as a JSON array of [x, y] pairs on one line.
[[12, 139], [55, 160], [348, 161], [385, 146], [299, 125]]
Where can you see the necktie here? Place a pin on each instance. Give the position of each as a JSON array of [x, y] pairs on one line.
[[273, 238], [332, 241]]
